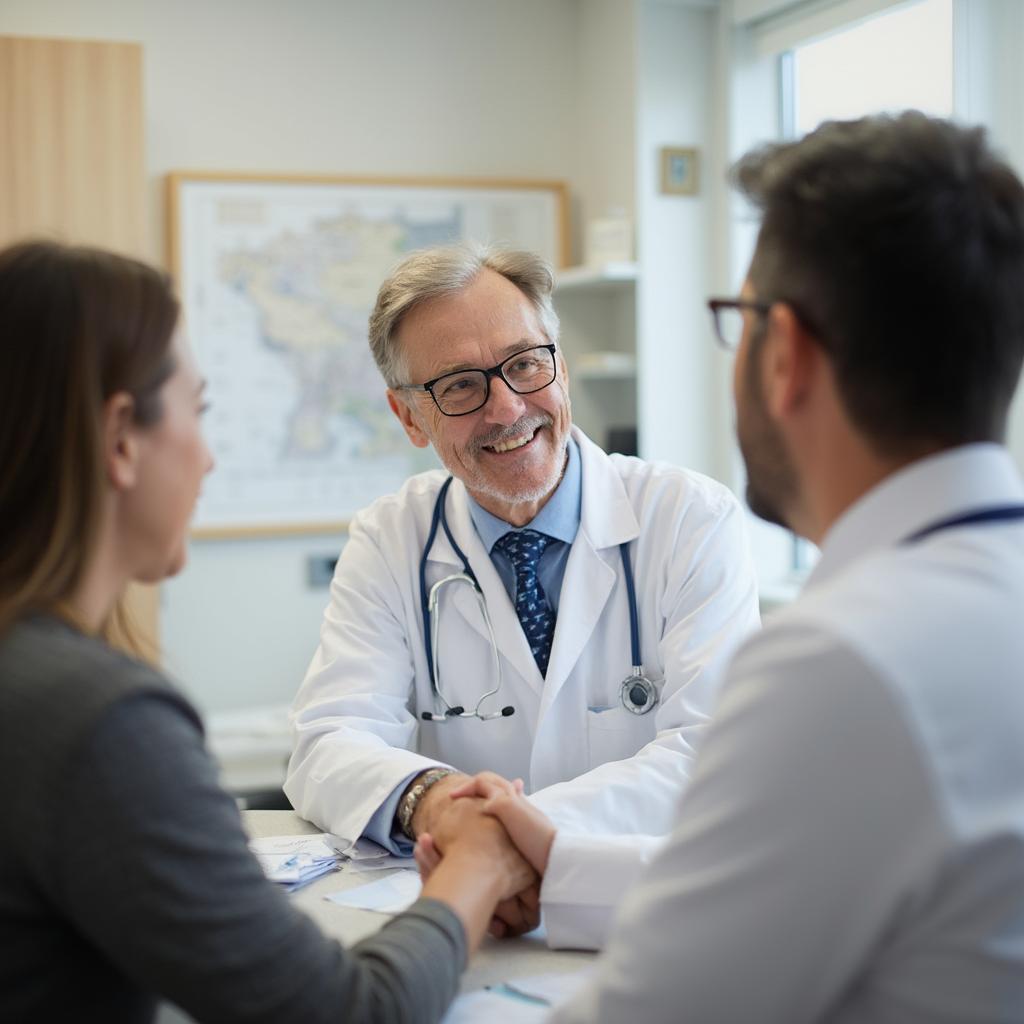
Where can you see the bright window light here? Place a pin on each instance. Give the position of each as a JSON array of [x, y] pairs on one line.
[[898, 60]]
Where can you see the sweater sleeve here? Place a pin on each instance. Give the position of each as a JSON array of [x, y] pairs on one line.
[[153, 867]]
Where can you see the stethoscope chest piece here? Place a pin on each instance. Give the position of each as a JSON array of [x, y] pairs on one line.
[[638, 694]]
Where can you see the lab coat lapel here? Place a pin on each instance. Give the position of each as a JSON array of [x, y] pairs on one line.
[[606, 521], [508, 632]]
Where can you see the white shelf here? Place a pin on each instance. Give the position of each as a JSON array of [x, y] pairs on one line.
[[605, 366], [592, 375], [608, 276], [597, 308]]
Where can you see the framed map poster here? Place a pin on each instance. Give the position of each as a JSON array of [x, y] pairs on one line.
[[277, 276]]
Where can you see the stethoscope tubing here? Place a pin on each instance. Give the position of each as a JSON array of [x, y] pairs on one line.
[[634, 617], [452, 711], [430, 598], [438, 518], [978, 517]]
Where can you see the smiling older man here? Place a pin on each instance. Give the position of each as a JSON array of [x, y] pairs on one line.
[[480, 618]]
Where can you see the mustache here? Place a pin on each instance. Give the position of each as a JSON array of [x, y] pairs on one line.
[[498, 435]]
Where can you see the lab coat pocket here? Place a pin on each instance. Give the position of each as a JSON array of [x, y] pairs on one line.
[[615, 733]]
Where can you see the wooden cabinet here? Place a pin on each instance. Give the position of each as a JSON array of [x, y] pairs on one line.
[[73, 164]]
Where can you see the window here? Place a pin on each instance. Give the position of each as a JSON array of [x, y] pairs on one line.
[[897, 60], [893, 61]]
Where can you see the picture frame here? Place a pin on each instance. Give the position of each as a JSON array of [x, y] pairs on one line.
[[277, 274], [680, 170]]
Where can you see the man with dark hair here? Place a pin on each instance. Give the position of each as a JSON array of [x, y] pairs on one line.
[[851, 845], [900, 251]]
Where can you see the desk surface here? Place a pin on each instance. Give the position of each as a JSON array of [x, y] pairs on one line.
[[496, 960]]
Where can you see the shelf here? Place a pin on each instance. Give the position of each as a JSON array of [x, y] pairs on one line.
[[623, 375], [607, 277], [605, 366]]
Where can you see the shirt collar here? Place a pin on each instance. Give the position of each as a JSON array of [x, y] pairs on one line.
[[958, 480], [559, 518]]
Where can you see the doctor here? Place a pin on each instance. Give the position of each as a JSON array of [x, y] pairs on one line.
[[534, 670]]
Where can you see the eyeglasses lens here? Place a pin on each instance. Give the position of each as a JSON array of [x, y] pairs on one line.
[[530, 371], [525, 372], [461, 392]]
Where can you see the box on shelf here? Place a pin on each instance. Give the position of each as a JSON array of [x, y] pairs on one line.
[[608, 240], [605, 364]]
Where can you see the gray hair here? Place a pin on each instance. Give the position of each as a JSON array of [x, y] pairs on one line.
[[442, 270]]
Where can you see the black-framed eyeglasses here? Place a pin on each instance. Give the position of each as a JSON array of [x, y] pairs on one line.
[[728, 317], [464, 391]]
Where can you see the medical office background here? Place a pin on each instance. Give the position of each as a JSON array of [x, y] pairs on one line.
[[585, 91]]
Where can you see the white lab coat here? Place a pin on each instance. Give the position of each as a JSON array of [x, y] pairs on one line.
[[851, 846], [586, 880], [593, 765]]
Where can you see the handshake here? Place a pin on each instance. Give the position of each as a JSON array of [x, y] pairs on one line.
[[500, 843]]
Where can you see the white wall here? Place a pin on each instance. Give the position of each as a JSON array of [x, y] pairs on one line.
[[467, 87], [674, 100], [606, 155], [470, 87], [989, 90]]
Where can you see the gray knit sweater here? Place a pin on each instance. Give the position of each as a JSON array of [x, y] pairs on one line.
[[125, 874]]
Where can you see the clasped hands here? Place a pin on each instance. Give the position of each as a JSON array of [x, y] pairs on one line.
[[490, 812]]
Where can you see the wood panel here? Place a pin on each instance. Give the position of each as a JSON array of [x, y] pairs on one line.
[[74, 163], [72, 166]]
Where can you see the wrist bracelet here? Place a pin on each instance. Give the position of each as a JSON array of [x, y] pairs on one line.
[[414, 794]]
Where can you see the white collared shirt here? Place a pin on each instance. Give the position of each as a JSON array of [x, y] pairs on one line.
[[851, 846]]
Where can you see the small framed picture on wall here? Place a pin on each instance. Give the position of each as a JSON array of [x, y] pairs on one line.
[[679, 166]]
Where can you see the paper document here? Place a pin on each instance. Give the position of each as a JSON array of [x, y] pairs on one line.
[[295, 861], [321, 844], [296, 871], [389, 861], [389, 895], [551, 988], [522, 1001], [487, 1006], [364, 849]]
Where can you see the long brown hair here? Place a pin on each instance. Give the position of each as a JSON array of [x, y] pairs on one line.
[[77, 325]]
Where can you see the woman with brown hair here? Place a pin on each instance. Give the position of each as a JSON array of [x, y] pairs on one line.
[[124, 871]]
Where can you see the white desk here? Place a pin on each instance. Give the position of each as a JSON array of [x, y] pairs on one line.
[[497, 959]]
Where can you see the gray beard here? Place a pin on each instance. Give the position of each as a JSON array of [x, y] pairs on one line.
[[525, 495]]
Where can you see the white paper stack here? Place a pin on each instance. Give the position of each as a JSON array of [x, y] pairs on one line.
[[295, 861]]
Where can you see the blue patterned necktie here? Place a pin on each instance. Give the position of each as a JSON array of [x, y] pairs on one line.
[[523, 549]]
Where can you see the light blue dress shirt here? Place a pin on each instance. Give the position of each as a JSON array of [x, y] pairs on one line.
[[560, 519]]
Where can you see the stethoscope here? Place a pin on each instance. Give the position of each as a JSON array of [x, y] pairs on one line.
[[979, 517], [637, 693]]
